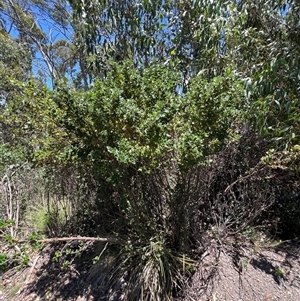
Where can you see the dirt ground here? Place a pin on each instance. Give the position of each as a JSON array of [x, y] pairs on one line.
[[248, 273], [243, 273]]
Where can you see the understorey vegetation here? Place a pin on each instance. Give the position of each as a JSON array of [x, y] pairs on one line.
[[161, 126]]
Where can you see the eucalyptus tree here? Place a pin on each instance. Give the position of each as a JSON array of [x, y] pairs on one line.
[[203, 35], [151, 31], [15, 62], [15, 66], [48, 29], [264, 44], [259, 40]]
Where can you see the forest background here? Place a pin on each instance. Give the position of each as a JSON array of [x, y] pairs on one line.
[[155, 123]]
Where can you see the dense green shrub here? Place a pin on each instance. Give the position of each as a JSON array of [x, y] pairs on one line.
[[139, 137]]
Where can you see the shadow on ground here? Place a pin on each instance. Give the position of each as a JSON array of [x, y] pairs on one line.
[[63, 273]]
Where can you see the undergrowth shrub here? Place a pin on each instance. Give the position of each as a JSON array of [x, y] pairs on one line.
[[155, 259], [166, 216], [234, 190], [246, 186], [134, 159], [131, 131], [146, 147], [284, 170]]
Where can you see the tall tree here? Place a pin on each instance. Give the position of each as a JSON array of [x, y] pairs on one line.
[[148, 31], [203, 35], [48, 29]]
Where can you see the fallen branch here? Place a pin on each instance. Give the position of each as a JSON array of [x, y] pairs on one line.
[[77, 238]]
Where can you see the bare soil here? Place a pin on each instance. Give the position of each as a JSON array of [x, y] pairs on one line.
[[225, 273], [248, 273]]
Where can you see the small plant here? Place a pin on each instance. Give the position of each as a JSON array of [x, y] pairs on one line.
[[96, 259], [279, 272], [243, 264], [3, 261], [66, 264], [252, 235], [4, 224], [157, 271], [15, 255], [48, 217], [66, 256], [34, 238], [57, 255], [25, 260], [14, 290]]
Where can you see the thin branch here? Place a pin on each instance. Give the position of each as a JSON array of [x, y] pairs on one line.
[[77, 238], [244, 177], [31, 269]]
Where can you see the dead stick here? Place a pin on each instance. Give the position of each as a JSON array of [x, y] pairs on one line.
[[32, 268], [77, 238]]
